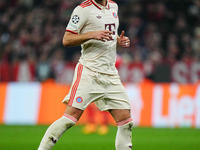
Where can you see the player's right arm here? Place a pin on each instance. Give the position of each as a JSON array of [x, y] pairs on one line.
[[73, 39], [72, 36]]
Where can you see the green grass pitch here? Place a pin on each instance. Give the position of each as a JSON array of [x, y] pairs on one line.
[[28, 138]]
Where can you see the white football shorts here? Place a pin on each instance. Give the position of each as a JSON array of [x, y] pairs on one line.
[[105, 90]]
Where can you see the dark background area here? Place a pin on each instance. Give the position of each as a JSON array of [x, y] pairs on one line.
[[162, 33]]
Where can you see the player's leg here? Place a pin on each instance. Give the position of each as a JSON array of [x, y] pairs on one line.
[[124, 122], [56, 129]]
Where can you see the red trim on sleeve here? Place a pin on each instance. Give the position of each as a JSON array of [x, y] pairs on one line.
[[71, 31], [85, 4]]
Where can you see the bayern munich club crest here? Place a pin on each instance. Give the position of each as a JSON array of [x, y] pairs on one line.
[[75, 19], [79, 99], [114, 15]]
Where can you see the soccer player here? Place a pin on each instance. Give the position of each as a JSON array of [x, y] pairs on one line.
[[94, 25]]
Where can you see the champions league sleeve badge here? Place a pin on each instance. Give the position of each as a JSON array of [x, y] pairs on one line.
[[75, 19]]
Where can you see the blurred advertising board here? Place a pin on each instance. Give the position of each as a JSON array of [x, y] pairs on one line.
[[153, 105]]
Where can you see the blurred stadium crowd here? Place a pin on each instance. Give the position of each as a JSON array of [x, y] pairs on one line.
[[165, 40]]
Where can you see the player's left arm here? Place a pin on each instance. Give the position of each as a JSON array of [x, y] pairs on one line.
[[123, 41]]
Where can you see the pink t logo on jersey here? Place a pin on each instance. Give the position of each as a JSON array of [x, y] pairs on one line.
[[110, 27]]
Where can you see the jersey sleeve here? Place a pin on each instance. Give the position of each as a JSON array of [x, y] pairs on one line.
[[77, 20]]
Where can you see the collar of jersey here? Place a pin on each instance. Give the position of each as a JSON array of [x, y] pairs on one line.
[[99, 6]]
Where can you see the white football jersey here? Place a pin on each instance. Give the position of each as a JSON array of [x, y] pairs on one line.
[[90, 16]]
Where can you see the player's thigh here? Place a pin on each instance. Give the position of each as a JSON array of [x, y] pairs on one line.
[[75, 112], [120, 114]]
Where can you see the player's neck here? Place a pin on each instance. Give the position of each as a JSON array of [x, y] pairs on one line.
[[102, 2]]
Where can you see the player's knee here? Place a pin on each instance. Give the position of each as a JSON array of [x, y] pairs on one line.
[[120, 114]]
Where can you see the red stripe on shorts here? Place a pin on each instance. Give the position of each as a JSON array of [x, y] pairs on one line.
[[71, 31], [76, 83]]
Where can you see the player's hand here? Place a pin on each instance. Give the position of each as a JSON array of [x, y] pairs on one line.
[[101, 35], [123, 41]]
